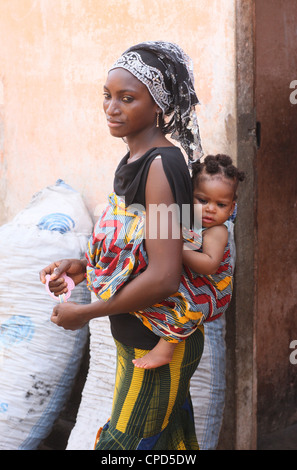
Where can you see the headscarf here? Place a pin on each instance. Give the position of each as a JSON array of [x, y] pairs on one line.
[[167, 72]]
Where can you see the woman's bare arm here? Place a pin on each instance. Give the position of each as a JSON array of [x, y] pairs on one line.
[[162, 276]]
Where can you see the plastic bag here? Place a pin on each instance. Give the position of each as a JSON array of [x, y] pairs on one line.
[[96, 402], [208, 386], [38, 360]]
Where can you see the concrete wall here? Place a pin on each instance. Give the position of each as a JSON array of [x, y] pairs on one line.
[[54, 56]]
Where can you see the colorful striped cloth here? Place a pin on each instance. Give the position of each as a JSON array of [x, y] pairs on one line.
[[116, 255], [152, 408]]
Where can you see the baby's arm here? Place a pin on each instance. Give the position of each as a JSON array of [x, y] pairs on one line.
[[214, 241]]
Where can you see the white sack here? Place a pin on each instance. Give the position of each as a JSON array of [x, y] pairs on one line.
[[208, 386], [38, 360], [96, 403]]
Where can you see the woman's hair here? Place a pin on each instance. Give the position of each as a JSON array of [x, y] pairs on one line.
[[217, 165]]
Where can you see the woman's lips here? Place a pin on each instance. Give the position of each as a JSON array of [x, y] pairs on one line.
[[114, 123]]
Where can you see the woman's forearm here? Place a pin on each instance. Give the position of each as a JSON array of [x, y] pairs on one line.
[[144, 291]]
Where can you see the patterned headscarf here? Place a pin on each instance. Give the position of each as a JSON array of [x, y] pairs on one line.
[[167, 72]]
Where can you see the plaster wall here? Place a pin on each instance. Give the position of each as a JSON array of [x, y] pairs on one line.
[[54, 56]]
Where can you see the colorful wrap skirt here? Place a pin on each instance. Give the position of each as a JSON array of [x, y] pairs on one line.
[[152, 408], [116, 255]]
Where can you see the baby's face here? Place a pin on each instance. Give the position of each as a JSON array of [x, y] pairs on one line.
[[214, 197]]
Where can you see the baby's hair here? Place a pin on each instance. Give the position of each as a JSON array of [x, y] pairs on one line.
[[217, 165]]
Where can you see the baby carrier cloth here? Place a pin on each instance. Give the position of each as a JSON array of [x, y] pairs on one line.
[[116, 255]]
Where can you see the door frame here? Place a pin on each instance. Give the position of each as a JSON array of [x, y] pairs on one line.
[[239, 429]]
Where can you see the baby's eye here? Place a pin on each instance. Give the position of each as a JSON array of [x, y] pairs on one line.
[[221, 204], [201, 201]]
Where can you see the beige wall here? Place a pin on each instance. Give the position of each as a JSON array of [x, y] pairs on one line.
[[54, 55]]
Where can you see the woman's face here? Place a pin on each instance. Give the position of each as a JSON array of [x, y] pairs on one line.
[[128, 105]]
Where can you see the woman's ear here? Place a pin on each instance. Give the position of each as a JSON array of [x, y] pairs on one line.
[[158, 110]]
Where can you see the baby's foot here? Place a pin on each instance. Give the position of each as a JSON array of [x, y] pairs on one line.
[[152, 360]]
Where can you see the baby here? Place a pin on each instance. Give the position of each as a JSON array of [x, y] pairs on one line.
[[215, 182]]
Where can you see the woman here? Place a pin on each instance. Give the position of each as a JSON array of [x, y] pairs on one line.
[[151, 408]]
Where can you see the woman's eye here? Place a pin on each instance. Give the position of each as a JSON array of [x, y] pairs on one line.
[[106, 95], [127, 99]]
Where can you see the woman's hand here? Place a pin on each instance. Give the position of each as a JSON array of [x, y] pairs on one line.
[[69, 316], [74, 268]]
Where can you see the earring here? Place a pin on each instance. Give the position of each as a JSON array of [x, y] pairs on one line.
[[158, 120]]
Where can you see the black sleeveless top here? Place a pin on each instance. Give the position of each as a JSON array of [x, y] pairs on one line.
[[130, 182]]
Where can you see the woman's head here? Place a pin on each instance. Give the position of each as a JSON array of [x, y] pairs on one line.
[[166, 72], [215, 182]]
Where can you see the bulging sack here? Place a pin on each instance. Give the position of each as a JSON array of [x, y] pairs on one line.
[[38, 360]]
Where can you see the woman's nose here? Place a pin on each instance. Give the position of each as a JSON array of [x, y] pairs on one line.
[[112, 108]]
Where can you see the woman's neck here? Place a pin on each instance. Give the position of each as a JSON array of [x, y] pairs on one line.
[[140, 145]]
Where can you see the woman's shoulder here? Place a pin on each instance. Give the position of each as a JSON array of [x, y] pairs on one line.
[[170, 151], [172, 158]]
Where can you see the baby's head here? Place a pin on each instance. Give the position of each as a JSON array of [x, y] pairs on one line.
[[219, 166], [215, 182]]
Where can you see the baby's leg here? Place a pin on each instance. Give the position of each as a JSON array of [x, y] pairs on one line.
[[160, 355]]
